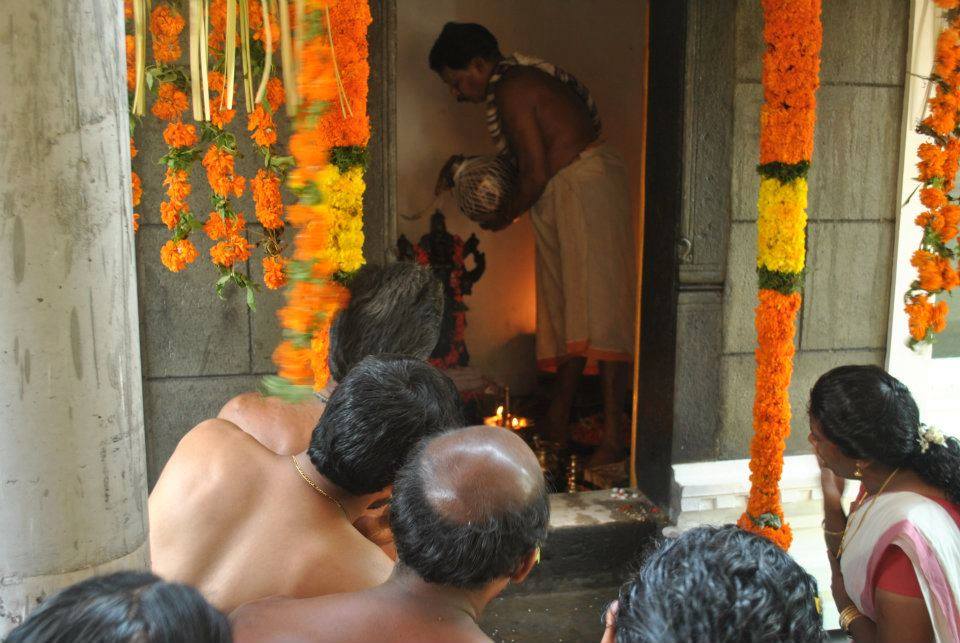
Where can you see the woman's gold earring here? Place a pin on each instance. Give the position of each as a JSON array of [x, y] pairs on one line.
[[858, 472], [536, 560]]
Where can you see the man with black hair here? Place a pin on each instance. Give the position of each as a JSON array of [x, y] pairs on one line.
[[469, 514], [717, 585], [396, 309], [575, 187], [240, 522]]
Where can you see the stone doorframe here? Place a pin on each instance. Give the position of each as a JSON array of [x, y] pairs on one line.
[[380, 199]]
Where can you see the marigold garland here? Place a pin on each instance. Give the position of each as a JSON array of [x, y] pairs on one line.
[[791, 64], [328, 216], [136, 185], [265, 186], [938, 258]]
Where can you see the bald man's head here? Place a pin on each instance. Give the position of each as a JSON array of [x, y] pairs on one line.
[[469, 506]]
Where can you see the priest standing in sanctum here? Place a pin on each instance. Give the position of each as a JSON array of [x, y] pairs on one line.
[[575, 187]]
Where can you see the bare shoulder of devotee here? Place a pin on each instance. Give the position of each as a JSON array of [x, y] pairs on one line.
[[283, 427], [189, 497]]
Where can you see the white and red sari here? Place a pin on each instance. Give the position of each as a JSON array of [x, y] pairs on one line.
[[927, 534]]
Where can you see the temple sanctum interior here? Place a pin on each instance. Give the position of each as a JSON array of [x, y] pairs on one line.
[[462, 320]]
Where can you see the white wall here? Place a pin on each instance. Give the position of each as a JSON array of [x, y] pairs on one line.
[[599, 41]]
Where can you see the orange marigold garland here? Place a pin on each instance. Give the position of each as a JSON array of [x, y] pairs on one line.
[[136, 188], [937, 260], [346, 130], [172, 82], [265, 186], [312, 295], [791, 64]]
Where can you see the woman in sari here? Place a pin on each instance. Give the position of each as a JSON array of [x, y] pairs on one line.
[[896, 557]]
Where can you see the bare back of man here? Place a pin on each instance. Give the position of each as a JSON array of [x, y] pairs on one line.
[[378, 614], [239, 522], [534, 104]]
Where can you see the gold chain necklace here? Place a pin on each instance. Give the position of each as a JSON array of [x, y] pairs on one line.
[[866, 512], [316, 487]]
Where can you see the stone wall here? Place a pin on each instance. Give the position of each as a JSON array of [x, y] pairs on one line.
[[852, 206], [199, 351]]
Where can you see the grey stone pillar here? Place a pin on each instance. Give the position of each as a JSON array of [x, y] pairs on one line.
[[72, 472]]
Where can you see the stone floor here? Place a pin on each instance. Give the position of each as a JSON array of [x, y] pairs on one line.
[[548, 617]]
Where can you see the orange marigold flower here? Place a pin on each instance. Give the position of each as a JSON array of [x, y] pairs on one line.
[[220, 172], [949, 277], [219, 227], [136, 221], [947, 4], [260, 122], [179, 134], [218, 26], [943, 113], [175, 255], [128, 9], [217, 81], [170, 213], [938, 316], [166, 23], [226, 253], [932, 161], [274, 272], [293, 364], [220, 116], [131, 46], [177, 183], [308, 149], [136, 188], [276, 95], [933, 198], [133, 148], [170, 103], [266, 199]]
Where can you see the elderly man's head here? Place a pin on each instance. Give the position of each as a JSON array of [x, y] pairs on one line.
[[470, 508], [395, 309]]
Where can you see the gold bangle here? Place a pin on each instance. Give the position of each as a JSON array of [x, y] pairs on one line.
[[828, 532], [848, 616]]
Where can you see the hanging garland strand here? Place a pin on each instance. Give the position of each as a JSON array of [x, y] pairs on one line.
[[936, 260], [130, 42], [328, 241], [171, 83], [791, 64], [346, 129], [265, 186]]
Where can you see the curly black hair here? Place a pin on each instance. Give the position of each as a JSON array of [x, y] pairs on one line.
[[376, 416], [461, 42], [870, 414], [719, 585]]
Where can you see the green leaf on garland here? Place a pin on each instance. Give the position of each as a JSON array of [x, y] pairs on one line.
[[346, 157], [783, 282], [274, 385], [784, 172]]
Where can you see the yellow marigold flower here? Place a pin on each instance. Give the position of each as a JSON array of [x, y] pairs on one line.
[[783, 219]]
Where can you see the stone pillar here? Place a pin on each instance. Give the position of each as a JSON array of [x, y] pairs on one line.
[[72, 472]]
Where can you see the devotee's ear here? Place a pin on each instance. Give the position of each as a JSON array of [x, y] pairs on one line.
[[526, 566], [381, 498]]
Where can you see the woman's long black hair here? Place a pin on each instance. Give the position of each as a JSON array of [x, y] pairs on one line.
[[870, 414]]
